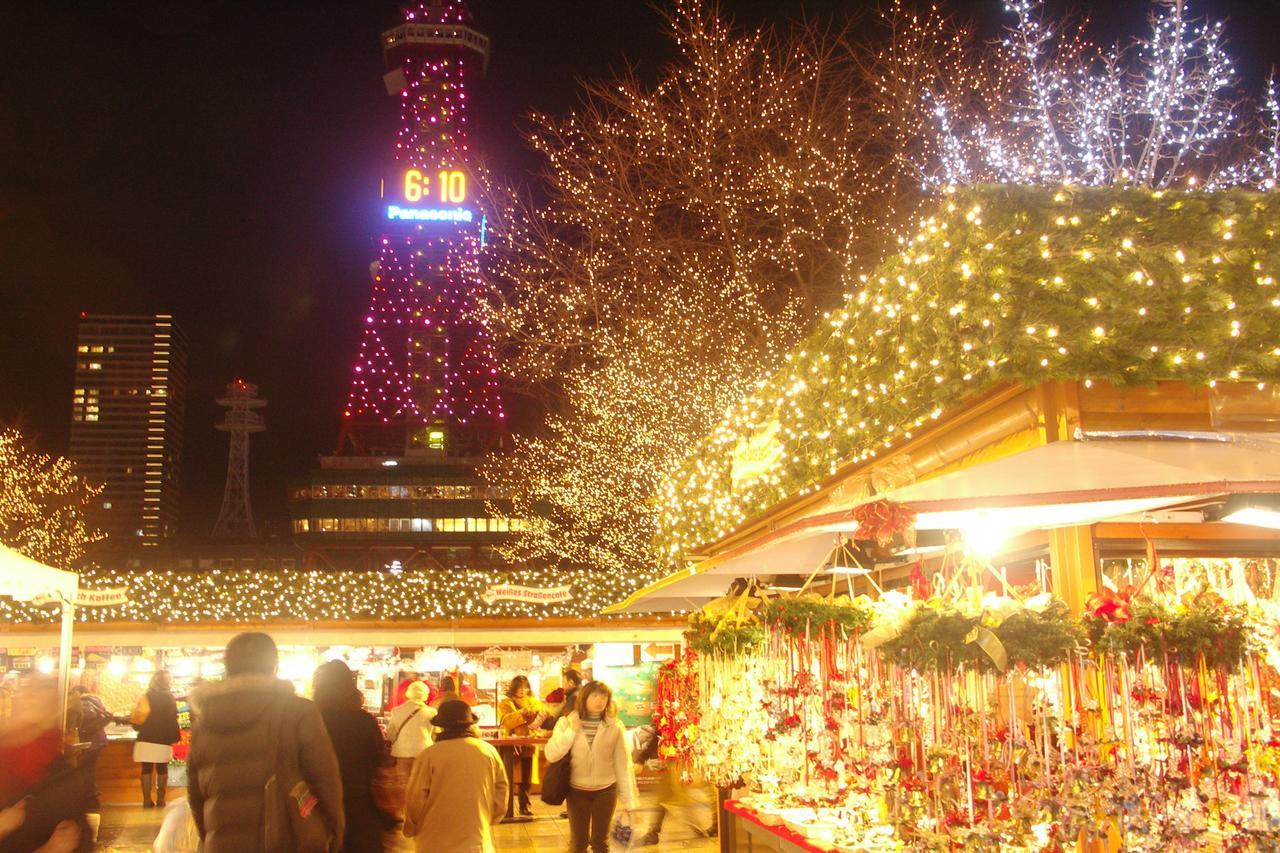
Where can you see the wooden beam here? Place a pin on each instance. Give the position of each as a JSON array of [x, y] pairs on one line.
[[1214, 531]]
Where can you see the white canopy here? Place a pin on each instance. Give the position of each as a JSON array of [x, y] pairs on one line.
[[1060, 484], [23, 578]]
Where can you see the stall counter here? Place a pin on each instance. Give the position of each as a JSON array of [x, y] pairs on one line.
[[747, 834]]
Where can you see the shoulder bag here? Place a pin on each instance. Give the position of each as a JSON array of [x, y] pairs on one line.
[[555, 780], [291, 821]]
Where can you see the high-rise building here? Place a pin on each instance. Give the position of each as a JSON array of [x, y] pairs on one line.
[[424, 406], [127, 421]]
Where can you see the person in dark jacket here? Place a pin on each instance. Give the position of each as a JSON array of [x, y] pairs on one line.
[[570, 681], [91, 721], [243, 723], [361, 750], [156, 719]]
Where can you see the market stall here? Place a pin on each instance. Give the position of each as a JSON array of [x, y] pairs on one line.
[[992, 562], [119, 674]]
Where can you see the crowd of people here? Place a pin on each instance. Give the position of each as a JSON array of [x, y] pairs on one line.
[[269, 770]]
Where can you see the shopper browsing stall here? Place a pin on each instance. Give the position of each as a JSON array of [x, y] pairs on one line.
[[520, 714], [410, 730], [360, 749], [156, 719]]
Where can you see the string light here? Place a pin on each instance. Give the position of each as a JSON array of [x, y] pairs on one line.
[[425, 356], [42, 504], [692, 233], [168, 597], [1084, 329]]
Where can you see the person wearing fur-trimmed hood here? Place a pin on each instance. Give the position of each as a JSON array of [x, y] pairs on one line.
[[243, 722]]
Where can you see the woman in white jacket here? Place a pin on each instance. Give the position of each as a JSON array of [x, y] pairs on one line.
[[600, 774], [411, 728]]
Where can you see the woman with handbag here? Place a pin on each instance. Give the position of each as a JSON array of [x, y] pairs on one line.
[[156, 719], [261, 774], [410, 730], [519, 715], [600, 773], [361, 751]]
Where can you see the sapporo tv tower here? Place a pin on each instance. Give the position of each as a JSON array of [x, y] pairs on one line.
[[402, 489], [426, 374]]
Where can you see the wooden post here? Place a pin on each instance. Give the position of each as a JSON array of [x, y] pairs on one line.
[[1074, 564], [722, 817], [1076, 576]]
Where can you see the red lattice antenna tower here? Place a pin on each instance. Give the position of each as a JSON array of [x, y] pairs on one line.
[[235, 520], [426, 374]]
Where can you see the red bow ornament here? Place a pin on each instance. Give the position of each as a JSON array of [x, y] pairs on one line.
[[1112, 606]]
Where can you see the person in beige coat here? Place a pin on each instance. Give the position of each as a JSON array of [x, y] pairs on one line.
[[600, 774], [457, 789]]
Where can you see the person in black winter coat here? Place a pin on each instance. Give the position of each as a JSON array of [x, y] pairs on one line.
[[361, 750], [91, 721], [156, 719]]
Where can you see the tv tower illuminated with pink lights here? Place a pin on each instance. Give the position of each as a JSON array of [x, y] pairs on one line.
[[426, 374]]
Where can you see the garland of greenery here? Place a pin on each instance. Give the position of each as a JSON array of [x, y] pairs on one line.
[[812, 613], [1206, 626], [709, 634], [942, 638], [1004, 285]]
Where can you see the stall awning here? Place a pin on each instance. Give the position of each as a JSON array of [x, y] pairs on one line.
[[23, 578], [1055, 485]]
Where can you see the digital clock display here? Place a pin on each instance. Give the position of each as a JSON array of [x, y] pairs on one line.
[[427, 195]]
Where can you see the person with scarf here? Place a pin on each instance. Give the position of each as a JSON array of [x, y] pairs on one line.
[[600, 774], [519, 715], [458, 787]]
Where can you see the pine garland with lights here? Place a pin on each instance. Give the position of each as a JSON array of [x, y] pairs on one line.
[[250, 596], [1004, 285], [42, 504]]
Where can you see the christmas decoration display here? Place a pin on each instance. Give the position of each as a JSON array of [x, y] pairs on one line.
[[1005, 284], [727, 625], [883, 521], [675, 712], [914, 732], [249, 596]]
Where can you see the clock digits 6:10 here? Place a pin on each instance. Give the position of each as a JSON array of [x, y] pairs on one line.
[[453, 186]]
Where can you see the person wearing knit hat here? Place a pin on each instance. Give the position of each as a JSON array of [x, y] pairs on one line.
[[410, 728], [458, 787]]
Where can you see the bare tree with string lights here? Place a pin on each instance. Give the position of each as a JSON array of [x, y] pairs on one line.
[[692, 231], [1165, 110], [42, 504]]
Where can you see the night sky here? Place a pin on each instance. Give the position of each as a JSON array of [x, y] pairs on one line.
[[220, 160]]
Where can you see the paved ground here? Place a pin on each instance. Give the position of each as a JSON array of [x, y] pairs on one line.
[[130, 829]]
